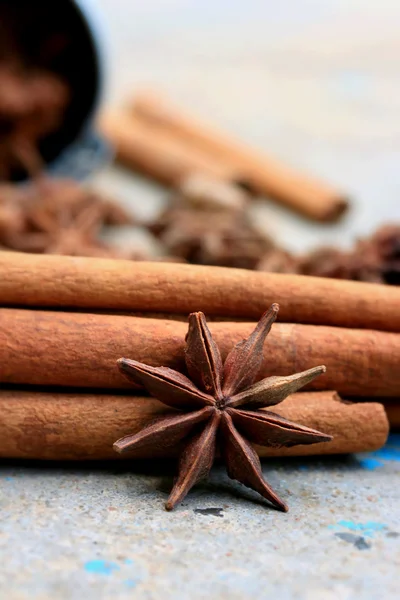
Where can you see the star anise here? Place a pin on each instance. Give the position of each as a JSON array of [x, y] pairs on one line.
[[219, 407], [375, 259], [217, 238], [386, 242], [58, 217], [57, 228]]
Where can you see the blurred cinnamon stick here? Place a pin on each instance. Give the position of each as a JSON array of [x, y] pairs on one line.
[[265, 175], [88, 283], [65, 426], [74, 349], [156, 154]]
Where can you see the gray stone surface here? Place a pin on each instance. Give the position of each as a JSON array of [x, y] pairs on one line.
[[101, 532], [315, 83]]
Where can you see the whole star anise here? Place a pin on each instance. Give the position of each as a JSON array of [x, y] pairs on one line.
[[219, 406], [218, 238]]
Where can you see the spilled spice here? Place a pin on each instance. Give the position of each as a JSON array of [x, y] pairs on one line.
[[32, 105]]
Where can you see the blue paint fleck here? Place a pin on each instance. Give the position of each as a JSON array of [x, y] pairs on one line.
[[362, 526], [100, 567], [370, 463], [367, 529], [130, 583], [9, 478], [388, 453], [128, 561]]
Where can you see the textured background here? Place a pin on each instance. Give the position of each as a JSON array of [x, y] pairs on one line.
[[316, 83]]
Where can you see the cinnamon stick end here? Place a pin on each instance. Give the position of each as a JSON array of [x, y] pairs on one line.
[[335, 209]]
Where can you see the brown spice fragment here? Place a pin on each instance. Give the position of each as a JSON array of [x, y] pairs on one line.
[[277, 260], [12, 217], [32, 105], [387, 246]]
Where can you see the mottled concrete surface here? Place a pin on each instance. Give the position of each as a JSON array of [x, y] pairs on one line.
[[315, 82], [101, 532]]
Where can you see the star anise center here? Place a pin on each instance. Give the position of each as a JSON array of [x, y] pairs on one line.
[[221, 403]]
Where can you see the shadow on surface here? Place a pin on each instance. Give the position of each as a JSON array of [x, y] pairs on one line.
[[160, 467]]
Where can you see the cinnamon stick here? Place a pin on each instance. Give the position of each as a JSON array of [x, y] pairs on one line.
[[393, 413], [155, 154], [62, 426], [302, 193], [63, 281], [74, 349]]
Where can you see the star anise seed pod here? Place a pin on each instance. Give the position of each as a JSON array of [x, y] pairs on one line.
[[219, 407], [220, 238]]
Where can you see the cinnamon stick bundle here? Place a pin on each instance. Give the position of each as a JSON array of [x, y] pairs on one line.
[[143, 148], [62, 281], [75, 349], [300, 192], [62, 426]]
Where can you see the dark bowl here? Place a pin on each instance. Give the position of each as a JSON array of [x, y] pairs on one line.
[[55, 35]]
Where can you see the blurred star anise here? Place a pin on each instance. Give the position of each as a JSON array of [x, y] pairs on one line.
[[375, 259], [219, 406], [57, 217], [218, 238]]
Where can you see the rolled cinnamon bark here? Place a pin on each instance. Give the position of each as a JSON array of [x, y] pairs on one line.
[[66, 426], [393, 413], [156, 154], [74, 349], [300, 192], [64, 281]]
